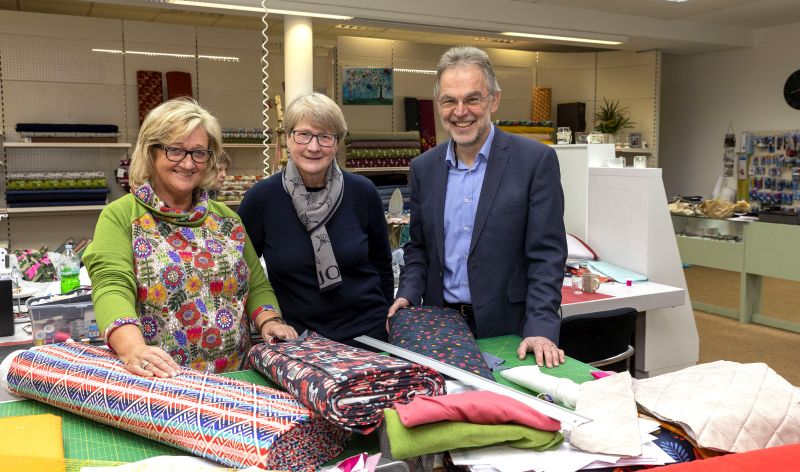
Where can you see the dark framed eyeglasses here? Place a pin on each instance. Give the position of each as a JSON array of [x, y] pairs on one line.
[[305, 137], [450, 103], [176, 154]]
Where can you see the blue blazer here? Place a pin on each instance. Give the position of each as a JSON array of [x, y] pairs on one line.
[[518, 249]]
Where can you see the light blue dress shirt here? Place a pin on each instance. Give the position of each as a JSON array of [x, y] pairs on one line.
[[460, 205]]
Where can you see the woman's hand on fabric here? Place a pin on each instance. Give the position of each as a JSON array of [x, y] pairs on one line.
[[278, 330], [149, 361], [545, 351]]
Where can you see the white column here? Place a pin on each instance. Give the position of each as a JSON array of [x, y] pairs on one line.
[[298, 57]]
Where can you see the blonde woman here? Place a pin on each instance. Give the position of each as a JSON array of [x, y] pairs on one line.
[[175, 279]]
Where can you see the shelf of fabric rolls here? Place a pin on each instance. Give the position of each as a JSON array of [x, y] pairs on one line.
[[246, 145], [377, 170], [66, 145]]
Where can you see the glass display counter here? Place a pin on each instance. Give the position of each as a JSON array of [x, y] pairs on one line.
[[708, 228], [754, 249]]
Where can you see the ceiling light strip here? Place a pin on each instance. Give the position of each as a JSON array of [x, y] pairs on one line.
[[169, 54], [563, 38], [228, 6]]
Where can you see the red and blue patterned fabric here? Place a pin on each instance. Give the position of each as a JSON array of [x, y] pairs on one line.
[[225, 420], [346, 385], [438, 333]]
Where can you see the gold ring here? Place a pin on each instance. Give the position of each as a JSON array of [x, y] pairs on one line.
[[144, 364]]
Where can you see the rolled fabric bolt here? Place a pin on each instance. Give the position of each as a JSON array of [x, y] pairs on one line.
[[563, 391]]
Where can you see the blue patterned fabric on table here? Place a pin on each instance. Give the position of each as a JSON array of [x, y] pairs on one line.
[[438, 333]]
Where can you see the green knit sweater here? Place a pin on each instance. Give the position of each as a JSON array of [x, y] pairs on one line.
[[191, 282]]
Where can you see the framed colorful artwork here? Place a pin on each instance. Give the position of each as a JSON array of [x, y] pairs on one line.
[[367, 86]]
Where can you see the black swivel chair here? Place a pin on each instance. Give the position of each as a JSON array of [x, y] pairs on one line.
[[603, 339]]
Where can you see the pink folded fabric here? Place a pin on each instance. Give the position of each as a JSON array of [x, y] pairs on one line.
[[478, 407]]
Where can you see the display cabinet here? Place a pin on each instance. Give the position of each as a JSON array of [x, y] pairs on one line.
[[752, 248]]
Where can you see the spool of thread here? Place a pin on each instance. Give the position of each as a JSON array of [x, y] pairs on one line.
[[39, 337], [61, 337], [49, 334]]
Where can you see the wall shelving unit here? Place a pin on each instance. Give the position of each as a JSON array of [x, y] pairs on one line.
[[36, 226]]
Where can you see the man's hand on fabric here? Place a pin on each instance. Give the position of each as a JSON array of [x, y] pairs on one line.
[[543, 349], [399, 303]]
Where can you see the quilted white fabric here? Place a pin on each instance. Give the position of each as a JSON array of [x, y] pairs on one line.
[[725, 405], [615, 429]]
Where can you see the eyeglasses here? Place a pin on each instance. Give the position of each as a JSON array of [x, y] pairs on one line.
[[176, 154], [448, 103], [305, 137]]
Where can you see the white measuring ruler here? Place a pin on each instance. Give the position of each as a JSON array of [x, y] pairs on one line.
[[568, 418]]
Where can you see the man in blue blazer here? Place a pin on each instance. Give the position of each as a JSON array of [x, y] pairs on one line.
[[487, 218]]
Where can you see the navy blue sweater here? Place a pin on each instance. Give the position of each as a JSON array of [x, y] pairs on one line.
[[360, 242]]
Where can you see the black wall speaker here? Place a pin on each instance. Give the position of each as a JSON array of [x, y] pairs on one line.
[[571, 115]]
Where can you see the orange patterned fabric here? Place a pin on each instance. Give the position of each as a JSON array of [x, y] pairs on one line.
[[541, 103]]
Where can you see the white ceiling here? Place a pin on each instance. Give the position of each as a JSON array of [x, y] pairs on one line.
[[691, 27], [747, 14]]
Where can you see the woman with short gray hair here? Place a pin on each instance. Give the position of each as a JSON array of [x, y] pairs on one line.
[[322, 231]]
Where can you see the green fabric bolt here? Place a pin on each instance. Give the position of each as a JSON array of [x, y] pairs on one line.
[[382, 135], [447, 435]]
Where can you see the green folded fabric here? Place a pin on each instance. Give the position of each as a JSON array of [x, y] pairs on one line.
[[447, 435]]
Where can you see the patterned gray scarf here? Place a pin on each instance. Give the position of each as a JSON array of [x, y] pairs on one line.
[[315, 209]]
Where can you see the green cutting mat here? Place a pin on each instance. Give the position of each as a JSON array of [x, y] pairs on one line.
[[506, 348], [88, 443]]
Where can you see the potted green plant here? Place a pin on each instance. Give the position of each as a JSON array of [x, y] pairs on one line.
[[611, 118]]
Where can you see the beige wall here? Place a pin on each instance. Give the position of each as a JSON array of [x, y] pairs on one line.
[[703, 94], [631, 78]]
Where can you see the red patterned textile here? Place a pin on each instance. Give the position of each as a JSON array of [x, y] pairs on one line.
[[346, 385], [427, 125], [228, 421], [378, 162], [179, 84], [149, 90]]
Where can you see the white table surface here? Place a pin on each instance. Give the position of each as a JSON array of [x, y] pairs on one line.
[[641, 296]]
